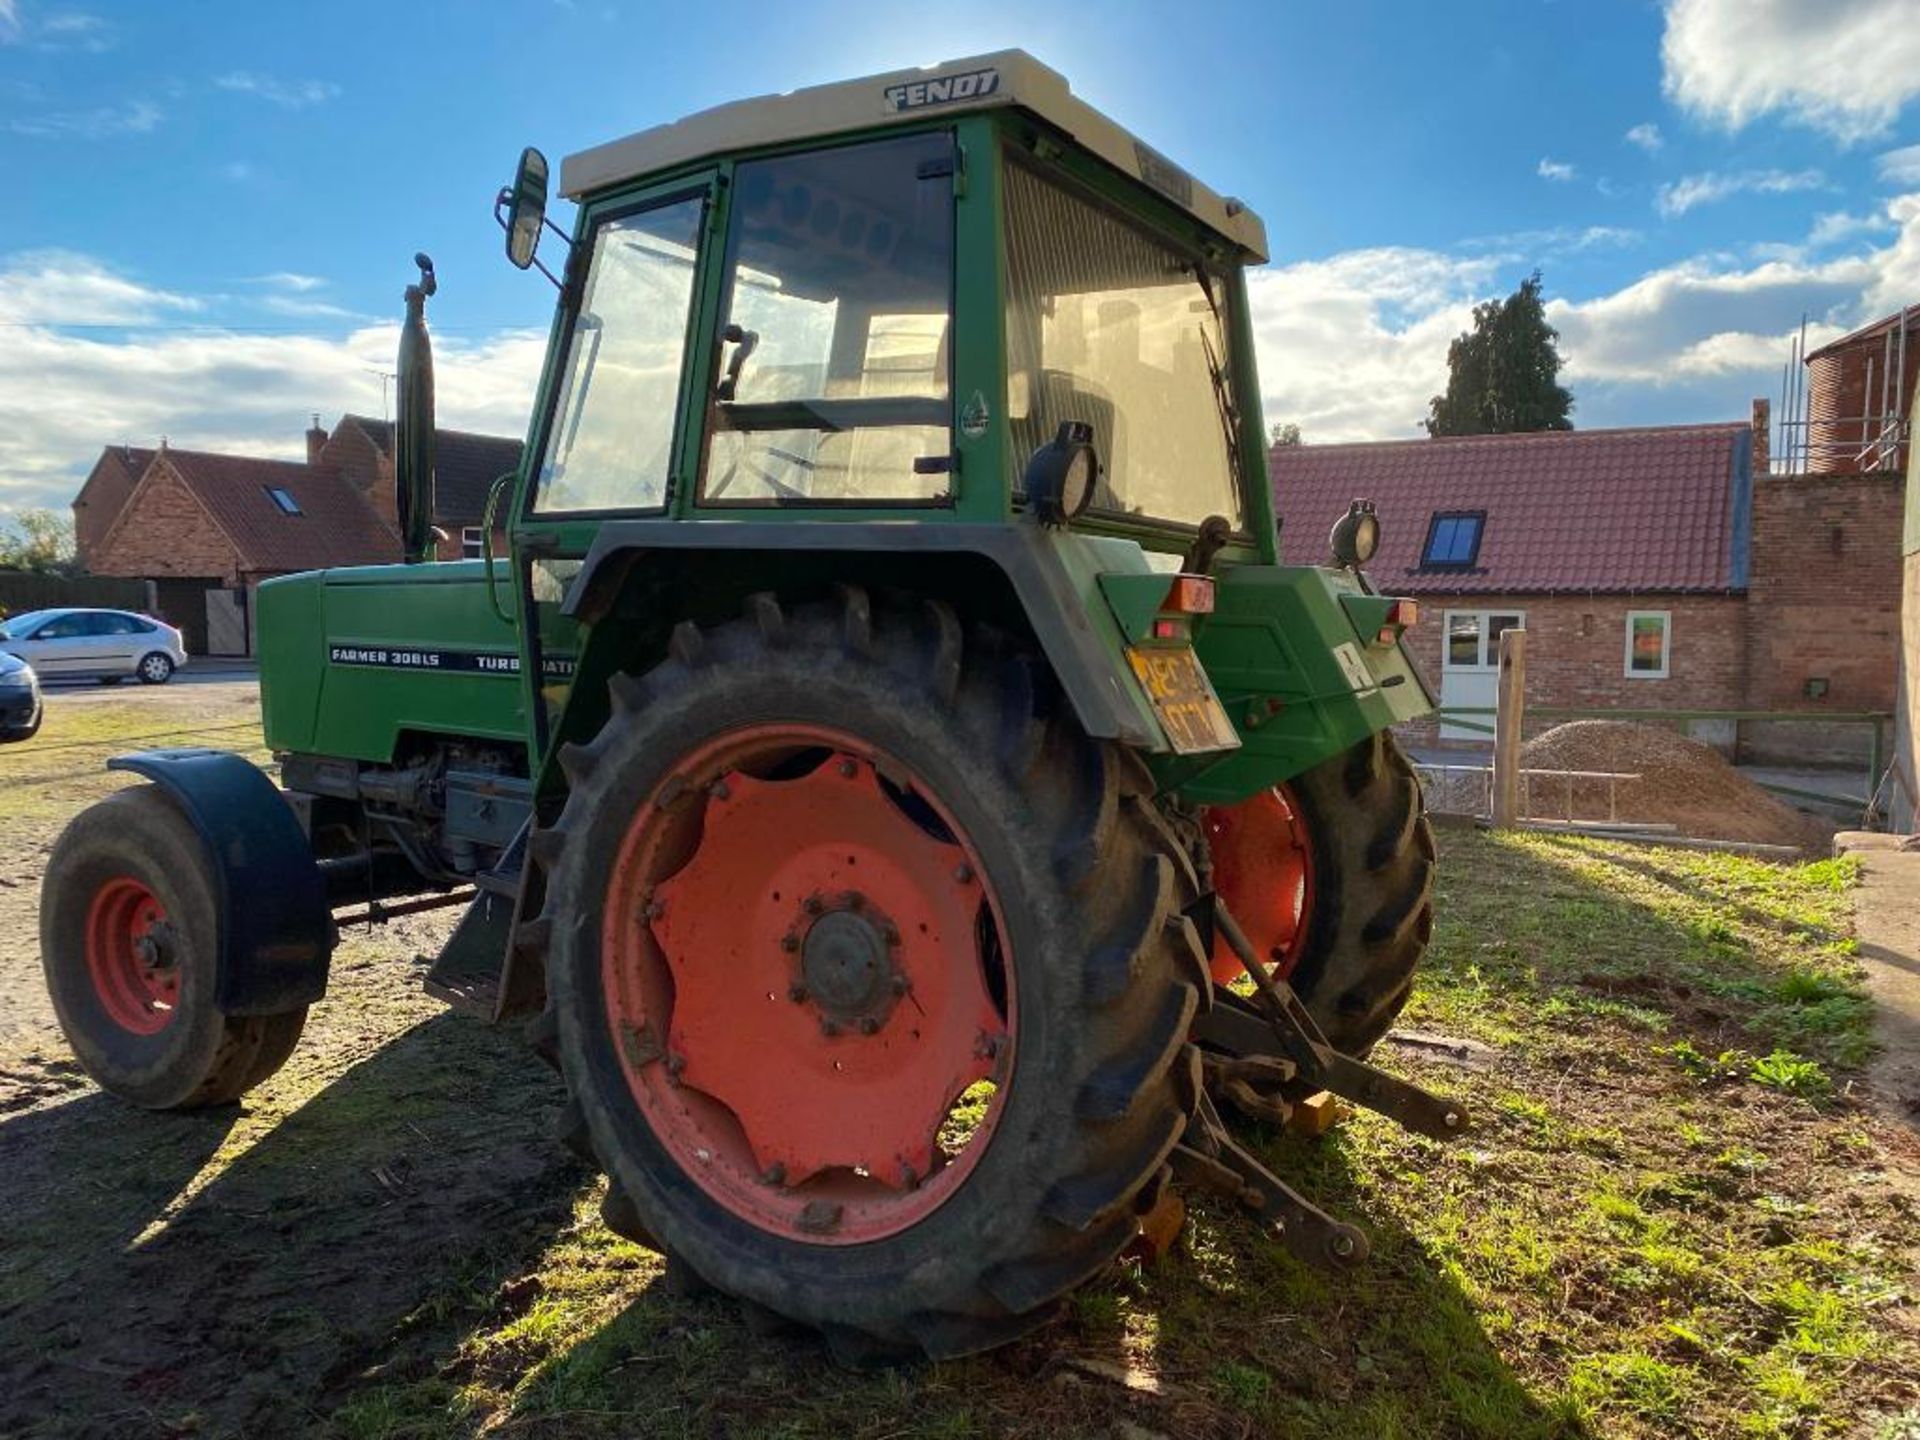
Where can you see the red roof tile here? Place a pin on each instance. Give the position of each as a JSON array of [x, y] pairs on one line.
[[334, 526], [1642, 509]]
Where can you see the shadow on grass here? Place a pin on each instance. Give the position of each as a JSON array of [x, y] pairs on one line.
[[349, 1236]]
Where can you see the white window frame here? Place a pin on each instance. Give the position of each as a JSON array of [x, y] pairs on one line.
[[1665, 617], [1487, 646], [473, 542]]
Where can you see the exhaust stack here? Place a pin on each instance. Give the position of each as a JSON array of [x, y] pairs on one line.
[[413, 431]]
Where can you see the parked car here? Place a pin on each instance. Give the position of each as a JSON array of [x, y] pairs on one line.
[[107, 645], [19, 699]]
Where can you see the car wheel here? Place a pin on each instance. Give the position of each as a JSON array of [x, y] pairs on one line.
[[110, 679], [156, 669]]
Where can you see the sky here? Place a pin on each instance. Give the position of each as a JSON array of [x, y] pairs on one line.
[[208, 211]]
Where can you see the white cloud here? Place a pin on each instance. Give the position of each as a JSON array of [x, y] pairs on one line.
[[1837, 226], [66, 392], [288, 280], [1685, 193], [1899, 167], [1647, 136], [289, 94], [1387, 315], [1691, 341], [1846, 67], [74, 30], [1554, 169], [100, 123], [9, 22], [59, 287]]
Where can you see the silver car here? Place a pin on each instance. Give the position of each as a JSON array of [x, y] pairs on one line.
[[20, 708], [106, 645]]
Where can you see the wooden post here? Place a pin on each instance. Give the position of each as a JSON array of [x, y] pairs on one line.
[[1509, 717]]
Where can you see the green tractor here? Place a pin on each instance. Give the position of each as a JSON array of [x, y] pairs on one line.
[[887, 772]]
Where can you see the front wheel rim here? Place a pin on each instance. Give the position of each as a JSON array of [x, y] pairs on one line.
[[131, 957], [808, 983]]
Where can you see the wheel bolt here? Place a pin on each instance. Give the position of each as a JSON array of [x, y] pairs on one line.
[[813, 905], [675, 1064], [775, 1174], [849, 769], [797, 994], [901, 984], [1343, 1245], [719, 790], [963, 872], [891, 934], [827, 1027], [790, 943], [869, 1025]]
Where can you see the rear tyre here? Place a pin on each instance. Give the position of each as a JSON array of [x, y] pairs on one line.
[[128, 940], [866, 832], [1371, 911], [155, 669]]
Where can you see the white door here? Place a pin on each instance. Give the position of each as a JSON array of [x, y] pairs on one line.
[[1470, 669]]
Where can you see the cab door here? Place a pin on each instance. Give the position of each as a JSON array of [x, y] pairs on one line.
[[615, 408]]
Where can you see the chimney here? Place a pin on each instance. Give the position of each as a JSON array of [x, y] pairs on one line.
[[316, 440], [1762, 421]]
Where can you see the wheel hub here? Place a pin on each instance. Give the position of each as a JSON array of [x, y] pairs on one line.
[[847, 969]]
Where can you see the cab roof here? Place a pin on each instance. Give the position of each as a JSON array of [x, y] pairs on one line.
[[1006, 78]]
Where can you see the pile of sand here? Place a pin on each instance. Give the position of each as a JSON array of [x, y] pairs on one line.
[[1682, 783]]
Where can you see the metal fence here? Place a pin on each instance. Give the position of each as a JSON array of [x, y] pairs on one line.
[[1874, 724]]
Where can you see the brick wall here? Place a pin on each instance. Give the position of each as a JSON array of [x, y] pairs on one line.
[[351, 455], [164, 531], [98, 503], [1823, 603], [1576, 652]]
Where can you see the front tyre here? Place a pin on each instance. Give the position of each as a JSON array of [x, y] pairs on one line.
[[155, 669], [1331, 875], [128, 940], [869, 983]]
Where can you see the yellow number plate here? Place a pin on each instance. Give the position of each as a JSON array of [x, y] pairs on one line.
[[1189, 711]]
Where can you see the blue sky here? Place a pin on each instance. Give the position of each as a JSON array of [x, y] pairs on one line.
[[211, 208]]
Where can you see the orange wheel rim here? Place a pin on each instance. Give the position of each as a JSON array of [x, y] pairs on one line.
[[809, 983], [131, 958], [1263, 871]]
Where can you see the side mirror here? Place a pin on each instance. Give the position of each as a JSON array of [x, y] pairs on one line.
[[528, 208]]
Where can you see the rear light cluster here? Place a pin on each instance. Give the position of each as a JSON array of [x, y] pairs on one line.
[[1400, 615], [1189, 595]]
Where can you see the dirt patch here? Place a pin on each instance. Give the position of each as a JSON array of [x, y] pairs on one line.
[[1682, 783]]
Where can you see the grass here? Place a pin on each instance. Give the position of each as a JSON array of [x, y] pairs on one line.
[[1665, 1220], [1644, 1235]]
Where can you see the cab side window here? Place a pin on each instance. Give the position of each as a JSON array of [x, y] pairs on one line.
[[835, 345], [610, 445]]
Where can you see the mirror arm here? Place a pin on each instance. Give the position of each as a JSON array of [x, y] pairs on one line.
[[500, 204]]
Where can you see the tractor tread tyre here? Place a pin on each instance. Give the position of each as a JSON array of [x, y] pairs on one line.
[[1372, 907], [203, 1057], [1103, 967]]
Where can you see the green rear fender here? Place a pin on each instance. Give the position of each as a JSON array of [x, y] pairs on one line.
[[1297, 675]]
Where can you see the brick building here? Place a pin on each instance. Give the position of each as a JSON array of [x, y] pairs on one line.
[[1660, 568], [207, 528]]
